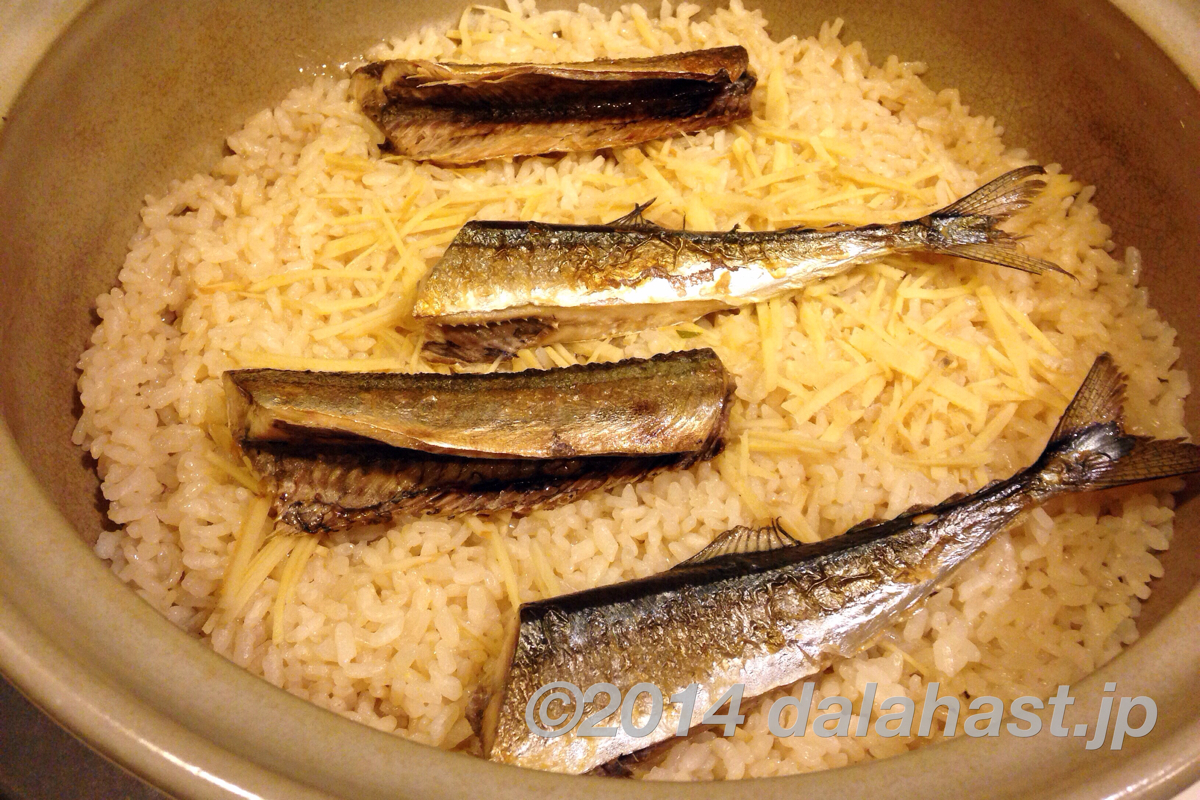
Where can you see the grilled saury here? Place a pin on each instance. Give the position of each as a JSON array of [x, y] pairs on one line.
[[462, 113], [501, 286], [759, 609], [340, 449]]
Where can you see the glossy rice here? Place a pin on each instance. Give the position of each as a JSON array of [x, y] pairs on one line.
[[896, 384]]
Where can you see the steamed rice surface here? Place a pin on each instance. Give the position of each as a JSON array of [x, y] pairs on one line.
[[899, 383]]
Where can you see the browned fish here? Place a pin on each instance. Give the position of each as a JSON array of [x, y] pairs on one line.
[[343, 449], [463, 113], [758, 610]]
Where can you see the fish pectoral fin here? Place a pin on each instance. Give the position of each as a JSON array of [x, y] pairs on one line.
[[742, 539], [634, 219], [875, 521]]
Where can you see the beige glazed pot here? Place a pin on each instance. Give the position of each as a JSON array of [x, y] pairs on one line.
[[110, 102]]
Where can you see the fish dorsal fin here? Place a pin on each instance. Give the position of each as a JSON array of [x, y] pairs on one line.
[[634, 219], [919, 508], [868, 523], [742, 539], [923, 508], [1099, 399]]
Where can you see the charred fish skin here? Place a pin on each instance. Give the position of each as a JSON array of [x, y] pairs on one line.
[[758, 609], [344, 449], [455, 114], [501, 286], [326, 488]]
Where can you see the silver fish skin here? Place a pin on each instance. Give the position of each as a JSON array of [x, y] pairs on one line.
[[501, 286], [759, 609]]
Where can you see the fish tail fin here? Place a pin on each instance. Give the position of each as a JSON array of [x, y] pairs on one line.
[[1090, 449], [967, 228], [1000, 198]]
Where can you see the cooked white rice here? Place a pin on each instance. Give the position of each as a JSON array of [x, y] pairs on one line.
[[896, 384]]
